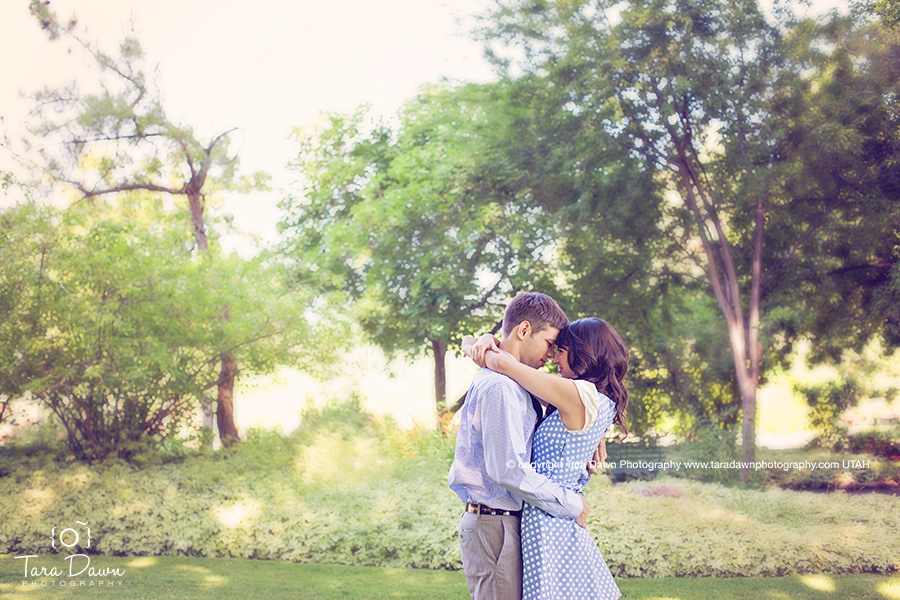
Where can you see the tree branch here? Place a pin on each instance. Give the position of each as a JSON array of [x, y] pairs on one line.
[[125, 187]]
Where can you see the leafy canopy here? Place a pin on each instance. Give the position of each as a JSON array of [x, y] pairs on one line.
[[426, 222]]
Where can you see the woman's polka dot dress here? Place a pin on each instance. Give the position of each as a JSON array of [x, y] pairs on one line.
[[560, 560]]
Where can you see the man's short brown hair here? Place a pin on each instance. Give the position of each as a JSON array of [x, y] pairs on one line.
[[539, 309]]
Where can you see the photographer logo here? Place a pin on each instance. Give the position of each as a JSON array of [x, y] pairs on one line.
[[78, 571], [75, 532]]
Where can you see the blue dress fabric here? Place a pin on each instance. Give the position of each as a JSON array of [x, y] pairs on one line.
[[560, 559]]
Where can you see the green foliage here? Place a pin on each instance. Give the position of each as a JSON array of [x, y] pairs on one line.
[[114, 323], [321, 494], [113, 136], [884, 443], [834, 471], [843, 284], [711, 530], [681, 374], [771, 147], [328, 495], [828, 401], [347, 418], [706, 443], [425, 223], [888, 11], [91, 327], [35, 447]]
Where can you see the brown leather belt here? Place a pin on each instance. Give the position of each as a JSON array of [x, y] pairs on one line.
[[481, 509]]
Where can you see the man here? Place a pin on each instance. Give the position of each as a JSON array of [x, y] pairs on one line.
[[491, 470]]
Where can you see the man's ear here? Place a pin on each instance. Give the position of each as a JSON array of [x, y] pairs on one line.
[[523, 330]]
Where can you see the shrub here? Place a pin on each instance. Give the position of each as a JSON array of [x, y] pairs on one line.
[[833, 470], [710, 443], [379, 497], [113, 323], [879, 442], [712, 530], [827, 402]]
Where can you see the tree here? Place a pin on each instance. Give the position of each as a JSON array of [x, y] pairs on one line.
[[848, 274], [119, 140], [610, 261], [428, 225], [886, 10], [700, 93], [109, 319], [11, 279]]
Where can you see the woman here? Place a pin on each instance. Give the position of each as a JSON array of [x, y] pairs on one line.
[[560, 560]]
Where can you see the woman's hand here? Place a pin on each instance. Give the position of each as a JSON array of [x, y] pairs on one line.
[[478, 349], [600, 455]]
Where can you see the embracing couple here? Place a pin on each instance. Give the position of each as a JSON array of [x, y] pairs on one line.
[[540, 549]]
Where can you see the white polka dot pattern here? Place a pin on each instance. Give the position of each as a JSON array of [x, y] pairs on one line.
[[560, 560]]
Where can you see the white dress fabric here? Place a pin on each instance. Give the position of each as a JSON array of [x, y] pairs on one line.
[[560, 559]]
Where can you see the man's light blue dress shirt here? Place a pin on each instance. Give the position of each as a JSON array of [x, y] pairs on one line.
[[493, 451]]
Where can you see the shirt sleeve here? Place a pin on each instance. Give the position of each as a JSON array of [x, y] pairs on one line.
[[590, 398], [508, 461]]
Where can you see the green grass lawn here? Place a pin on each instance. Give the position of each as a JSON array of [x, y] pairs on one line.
[[168, 578]]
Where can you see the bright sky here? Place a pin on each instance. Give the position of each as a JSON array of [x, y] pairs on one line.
[[264, 67]]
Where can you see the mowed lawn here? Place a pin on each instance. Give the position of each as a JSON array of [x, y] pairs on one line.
[[177, 578]]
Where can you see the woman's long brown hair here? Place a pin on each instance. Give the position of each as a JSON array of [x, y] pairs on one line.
[[596, 353]]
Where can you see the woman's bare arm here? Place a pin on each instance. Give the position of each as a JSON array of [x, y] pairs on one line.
[[558, 391]]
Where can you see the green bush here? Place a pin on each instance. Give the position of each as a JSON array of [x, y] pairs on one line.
[[827, 402], [709, 443], [812, 468], [337, 490], [379, 497], [884, 443], [834, 470], [703, 530]]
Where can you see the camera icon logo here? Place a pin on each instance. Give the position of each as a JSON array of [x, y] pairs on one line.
[[66, 535]]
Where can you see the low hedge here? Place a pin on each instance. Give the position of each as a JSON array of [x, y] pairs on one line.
[[374, 497], [681, 528]]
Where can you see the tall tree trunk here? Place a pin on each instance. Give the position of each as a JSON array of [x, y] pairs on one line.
[[440, 376], [196, 206], [225, 405], [224, 412], [228, 432], [754, 347], [743, 337]]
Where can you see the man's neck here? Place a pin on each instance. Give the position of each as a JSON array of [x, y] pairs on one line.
[[509, 345]]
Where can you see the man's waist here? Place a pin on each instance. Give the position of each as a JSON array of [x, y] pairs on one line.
[[483, 509]]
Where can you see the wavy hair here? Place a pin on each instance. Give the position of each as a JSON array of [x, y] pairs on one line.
[[596, 353]]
